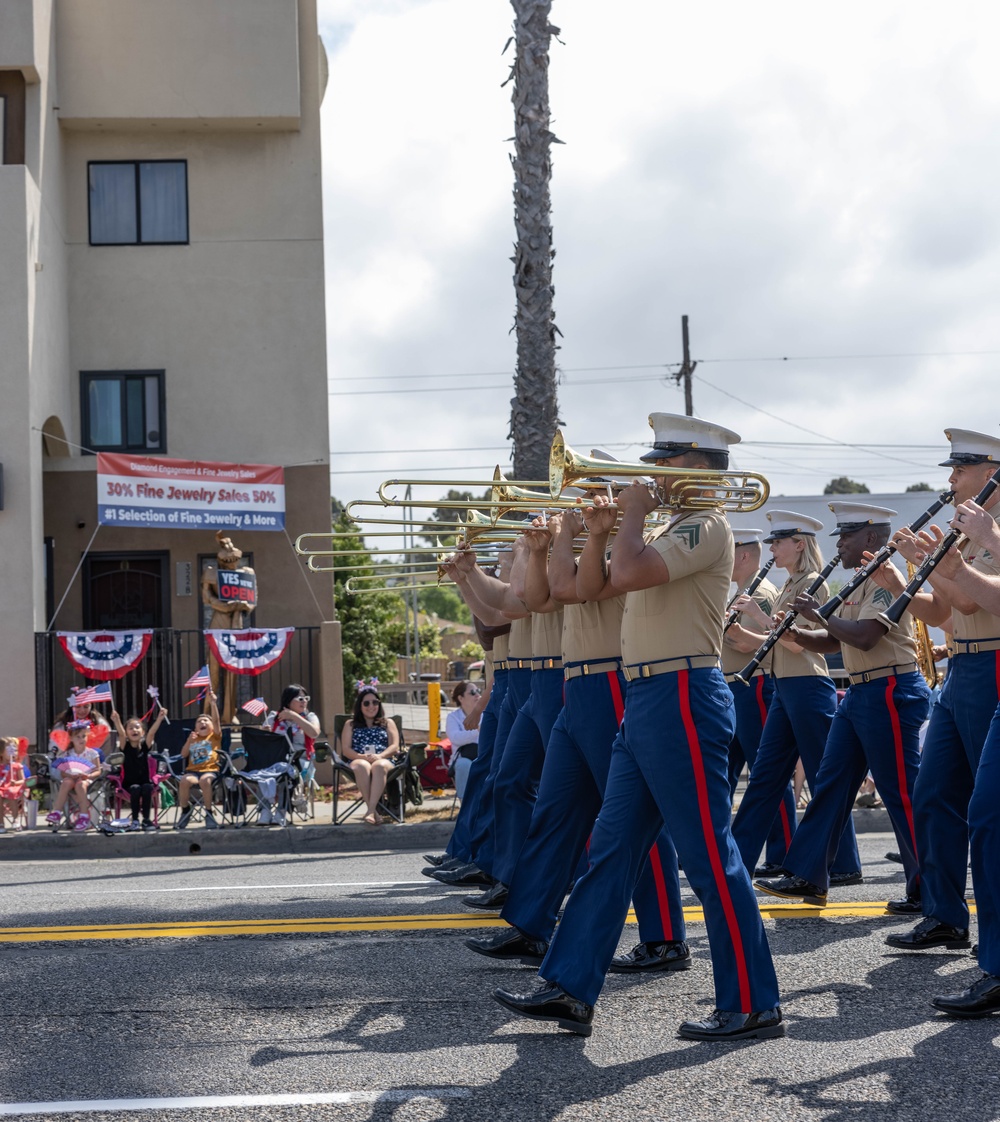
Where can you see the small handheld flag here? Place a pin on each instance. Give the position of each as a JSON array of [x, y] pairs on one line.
[[199, 679], [257, 707]]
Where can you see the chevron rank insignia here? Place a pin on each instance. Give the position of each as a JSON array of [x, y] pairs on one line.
[[882, 596], [689, 533]]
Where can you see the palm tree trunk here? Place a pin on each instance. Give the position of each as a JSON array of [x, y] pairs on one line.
[[534, 409]]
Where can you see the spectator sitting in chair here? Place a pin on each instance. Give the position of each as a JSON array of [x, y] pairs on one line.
[[368, 743], [136, 744], [464, 740], [202, 750], [78, 767], [12, 780], [295, 719], [74, 712]]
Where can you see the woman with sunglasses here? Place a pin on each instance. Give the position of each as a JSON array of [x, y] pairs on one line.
[[368, 743], [464, 741]]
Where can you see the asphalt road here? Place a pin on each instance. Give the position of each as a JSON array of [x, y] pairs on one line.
[[308, 988]]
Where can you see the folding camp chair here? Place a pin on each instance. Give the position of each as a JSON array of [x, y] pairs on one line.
[[170, 739], [401, 783], [271, 777]]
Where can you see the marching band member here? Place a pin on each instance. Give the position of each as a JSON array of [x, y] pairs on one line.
[[669, 760], [877, 725], [805, 699], [753, 699], [574, 775], [983, 587], [961, 718]]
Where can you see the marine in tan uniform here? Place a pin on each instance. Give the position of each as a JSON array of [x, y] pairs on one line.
[[669, 760], [877, 725]]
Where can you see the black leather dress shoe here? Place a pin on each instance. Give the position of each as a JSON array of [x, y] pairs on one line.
[[492, 900], [510, 945], [793, 888], [463, 875], [908, 906], [770, 869], [979, 1000], [929, 933], [447, 864], [673, 955], [723, 1025], [550, 1003], [896, 857], [437, 859], [845, 880]]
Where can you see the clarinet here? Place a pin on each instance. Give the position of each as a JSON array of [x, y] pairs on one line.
[[789, 618], [883, 555], [750, 589], [894, 613]]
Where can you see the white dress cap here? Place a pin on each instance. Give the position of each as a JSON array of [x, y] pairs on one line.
[[968, 447], [786, 523], [855, 516], [747, 537], [675, 434]]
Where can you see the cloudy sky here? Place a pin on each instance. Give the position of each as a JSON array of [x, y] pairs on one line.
[[817, 189]]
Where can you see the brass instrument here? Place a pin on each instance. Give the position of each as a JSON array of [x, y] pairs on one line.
[[691, 488], [925, 648]]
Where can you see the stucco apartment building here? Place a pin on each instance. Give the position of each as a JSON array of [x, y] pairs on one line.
[[161, 293]]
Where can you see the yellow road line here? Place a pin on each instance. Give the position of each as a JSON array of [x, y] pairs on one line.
[[458, 922]]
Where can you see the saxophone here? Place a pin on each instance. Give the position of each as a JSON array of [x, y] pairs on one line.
[[925, 648]]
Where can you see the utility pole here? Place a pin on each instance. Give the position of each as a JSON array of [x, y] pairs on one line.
[[686, 370]]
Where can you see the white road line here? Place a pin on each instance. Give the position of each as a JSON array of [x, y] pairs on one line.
[[138, 890], [207, 1102]]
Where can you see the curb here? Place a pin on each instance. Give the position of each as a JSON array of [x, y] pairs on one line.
[[43, 845]]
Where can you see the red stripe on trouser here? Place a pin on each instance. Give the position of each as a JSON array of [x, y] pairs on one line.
[[897, 745], [616, 695], [786, 826], [759, 692], [715, 859], [661, 893]]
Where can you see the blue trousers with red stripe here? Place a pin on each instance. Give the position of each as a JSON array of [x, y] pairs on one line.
[[460, 842], [574, 777], [484, 829], [752, 702], [876, 728], [984, 838], [516, 786], [798, 723], [668, 766], [954, 742]]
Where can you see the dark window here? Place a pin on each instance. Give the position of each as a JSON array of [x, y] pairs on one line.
[[11, 117], [138, 203], [123, 411]]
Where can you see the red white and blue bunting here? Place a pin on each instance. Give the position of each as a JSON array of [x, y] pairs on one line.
[[248, 652], [104, 655]]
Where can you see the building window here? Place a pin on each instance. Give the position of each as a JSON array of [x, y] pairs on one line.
[[138, 203], [123, 411], [11, 117]]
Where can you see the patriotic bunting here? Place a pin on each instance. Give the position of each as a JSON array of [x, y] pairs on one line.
[[248, 652], [104, 655]]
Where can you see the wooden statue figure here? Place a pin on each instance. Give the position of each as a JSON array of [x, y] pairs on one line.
[[230, 590]]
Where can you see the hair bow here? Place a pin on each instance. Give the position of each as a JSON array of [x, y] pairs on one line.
[[363, 687]]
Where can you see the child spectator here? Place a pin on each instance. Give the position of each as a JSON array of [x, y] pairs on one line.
[[12, 781], [202, 750], [78, 766], [136, 744]]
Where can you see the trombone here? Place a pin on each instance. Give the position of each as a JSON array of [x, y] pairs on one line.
[[691, 488]]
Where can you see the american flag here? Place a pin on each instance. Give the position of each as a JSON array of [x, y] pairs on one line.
[[199, 679], [257, 707], [92, 694]]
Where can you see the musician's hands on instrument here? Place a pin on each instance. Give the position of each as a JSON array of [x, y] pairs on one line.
[[909, 546], [751, 610], [807, 606], [637, 496], [460, 563], [977, 525], [538, 536], [568, 523], [886, 576], [950, 565], [600, 517]]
